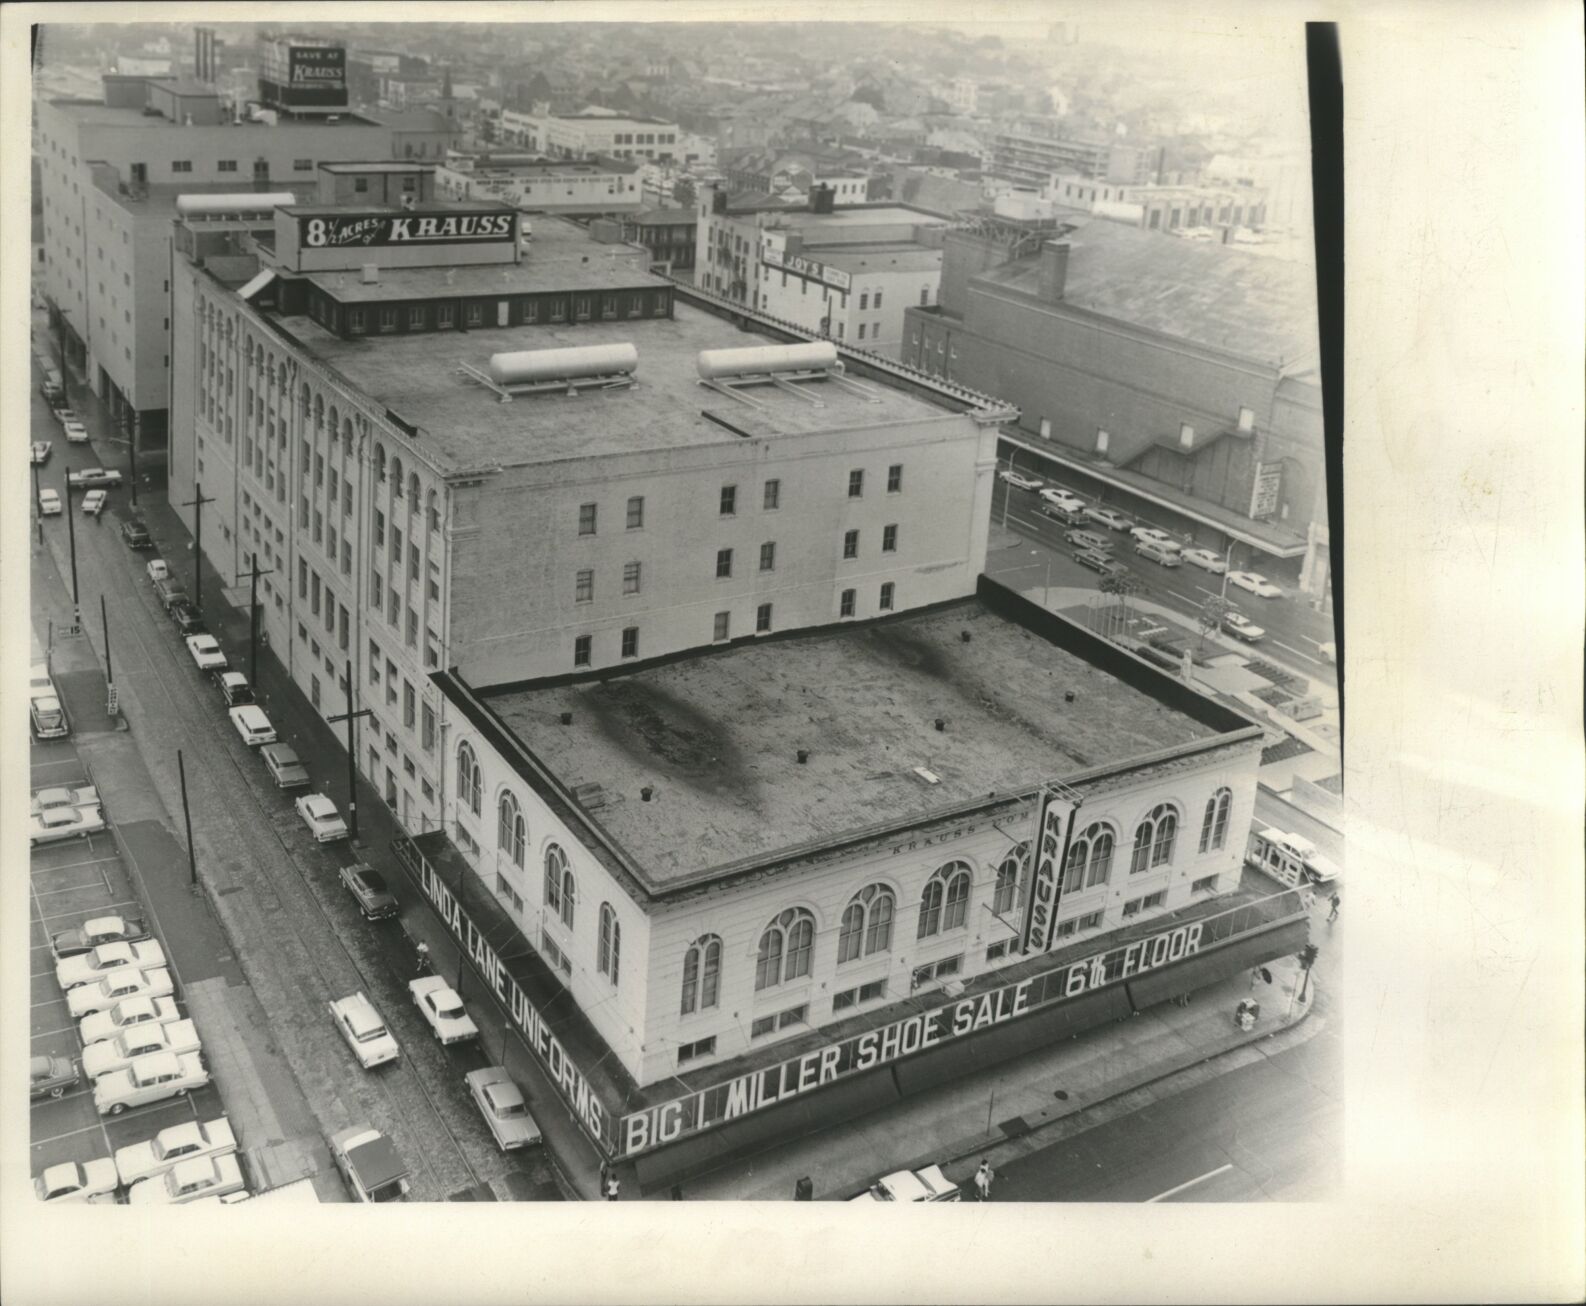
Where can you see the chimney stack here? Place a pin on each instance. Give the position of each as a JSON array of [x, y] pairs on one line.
[[1054, 270]]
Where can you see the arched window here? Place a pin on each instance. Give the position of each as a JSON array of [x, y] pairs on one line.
[[785, 949], [1153, 839], [319, 413], [305, 399], [413, 489], [1010, 890], [945, 903], [432, 511], [867, 924], [379, 459], [1089, 858], [396, 477], [609, 958], [702, 974], [469, 784], [510, 829], [1214, 829], [283, 380], [561, 890]]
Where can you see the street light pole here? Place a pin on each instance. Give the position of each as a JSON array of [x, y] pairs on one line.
[[187, 818], [1228, 562], [38, 512], [196, 503], [253, 573], [104, 622], [350, 716], [71, 535]]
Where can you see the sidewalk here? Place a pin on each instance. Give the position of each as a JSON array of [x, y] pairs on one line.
[[1051, 1093]]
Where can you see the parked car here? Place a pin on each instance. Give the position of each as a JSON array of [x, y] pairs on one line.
[[136, 534], [104, 1058], [188, 1141], [169, 590], [443, 1009], [153, 1078], [188, 1181], [1067, 516], [51, 1076], [206, 652], [1256, 583], [1155, 535], [1109, 517], [40, 453], [1328, 652], [1206, 560], [1082, 539], [130, 1013], [252, 724], [49, 503], [98, 930], [927, 1185], [1019, 479], [94, 502], [1061, 498], [86, 999], [1158, 553], [45, 800], [320, 815], [76, 432], [1099, 561], [234, 688], [64, 823], [61, 411], [369, 1161], [187, 619], [94, 478], [281, 761], [91, 967], [501, 1103], [368, 888], [1241, 627], [360, 1024], [78, 1181], [157, 570]]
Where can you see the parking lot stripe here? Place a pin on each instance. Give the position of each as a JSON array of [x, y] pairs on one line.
[[68, 888], [88, 913], [51, 1033], [66, 866]]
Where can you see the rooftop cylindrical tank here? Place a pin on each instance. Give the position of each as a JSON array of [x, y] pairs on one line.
[[561, 364], [244, 202], [715, 363]]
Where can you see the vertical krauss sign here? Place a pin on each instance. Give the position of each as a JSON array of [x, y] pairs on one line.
[[1265, 489], [1054, 825]]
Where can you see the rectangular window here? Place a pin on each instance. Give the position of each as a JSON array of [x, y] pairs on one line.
[[396, 548], [1207, 884], [850, 544], [846, 608], [895, 478], [226, 165], [302, 579], [729, 500], [413, 562], [409, 705], [768, 556], [856, 483], [379, 529], [889, 539], [415, 317], [302, 165], [703, 1047], [878, 305], [636, 512], [474, 314], [374, 663], [773, 495], [998, 950], [861, 330], [586, 519], [390, 682], [762, 618], [427, 727], [343, 638], [412, 629], [581, 650], [584, 591], [723, 620], [445, 316], [181, 165], [864, 300], [630, 641], [630, 578], [723, 563], [888, 593]]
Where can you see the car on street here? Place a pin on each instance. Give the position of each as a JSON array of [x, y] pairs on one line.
[[369, 890], [320, 815], [130, 1013], [86, 999], [360, 1024], [188, 1141], [252, 724], [78, 1181], [90, 967], [927, 1185], [51, 1076], [157, 570], [1241, 627], [153, 1078], [1067, 516], [1158, 553], [94, 502], [234, 688], [76, 432], [1019, 479], [95, 931], [40, 453], [1256, 583], [60, 823], [45, 800], [63, 412], [1058, 497], [187, 619], [1082, 539], [1206, 560], [1154, 535], [443, 1009], [49, 503], [169, 589], [1096, 560], [189, 1181], [1109, 517], [501, 1103], [101, 1059], [136, 534], [282, 762], [369, 1162], [94, 478], [207, 653], [1328, 652]]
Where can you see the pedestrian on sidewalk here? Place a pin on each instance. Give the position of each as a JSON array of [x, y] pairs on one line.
[[983, 1178], [612, 1187], [1337, 902], [424, 958]]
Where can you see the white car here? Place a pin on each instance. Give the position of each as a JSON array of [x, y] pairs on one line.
[[1019, 479], [1109, 517], [130, 1013], [320, 815], [1256, 583], [78, 1181], [1061, 498], [76, 432], [86, 999], [252, 725], [94, 477], [101, 1059], [1206, 560], [157, 570], [90, 967], [59, 823], [188, 1141], [94, 502], [927, 1185], [40, 453], [150, 1079], [1241, 627], [283, 764], [188, 1181], [207, 653], [360, 1024], [45, 800], [501, 1103], [49, 503], [1152, 535], [1328, 652], [96, 930], [443, 1009]]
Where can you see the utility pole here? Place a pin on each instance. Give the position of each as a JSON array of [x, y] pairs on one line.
[[71, 535], [38, 512], [253, 573], [196, 503], [1228, 563], [104, 622], [130, 425], [350, 716], [187, 818]]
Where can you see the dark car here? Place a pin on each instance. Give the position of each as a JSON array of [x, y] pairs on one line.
[[1068, 516], [101, 929], [50, 1076], [1099, 561], [368, 886], [186, 617], [136, 534], [1081, 539]]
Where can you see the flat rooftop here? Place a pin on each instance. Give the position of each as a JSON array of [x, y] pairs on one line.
[[99, 114], [467, 427], [717, 733], [891, 256]]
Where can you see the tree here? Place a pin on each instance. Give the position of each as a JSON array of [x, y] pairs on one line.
[[1210, 619], [1121, 585]]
